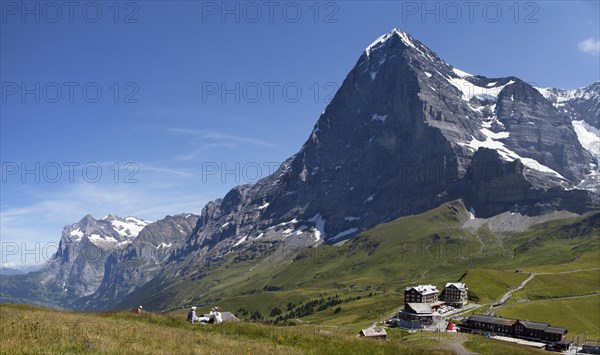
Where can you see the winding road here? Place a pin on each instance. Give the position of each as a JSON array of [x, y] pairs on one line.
[[499, 304]]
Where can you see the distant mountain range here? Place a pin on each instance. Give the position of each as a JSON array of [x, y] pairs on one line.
[[405, 133], [94, 257], [10, 269]]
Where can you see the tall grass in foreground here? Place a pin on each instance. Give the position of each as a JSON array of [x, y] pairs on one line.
[[34, 330]]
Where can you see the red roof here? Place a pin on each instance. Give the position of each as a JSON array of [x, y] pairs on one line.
[[451, 326]]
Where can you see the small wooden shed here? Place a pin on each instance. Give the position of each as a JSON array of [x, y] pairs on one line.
[[373, 332]]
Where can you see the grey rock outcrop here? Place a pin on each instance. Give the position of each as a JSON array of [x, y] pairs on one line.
[[406, 132], [129, 268]]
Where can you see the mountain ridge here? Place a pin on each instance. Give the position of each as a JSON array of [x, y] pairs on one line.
[[405, 133], [86, 255]]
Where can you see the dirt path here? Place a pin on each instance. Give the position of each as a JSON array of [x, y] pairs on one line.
[[476, 236], [500, 304], [566, 272], [548, 299], [456, 347], [509, 294]]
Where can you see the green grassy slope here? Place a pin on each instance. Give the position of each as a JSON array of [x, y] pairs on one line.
[[36, 330], [29, 330], [578, 315], [344, 288], [365, 276]]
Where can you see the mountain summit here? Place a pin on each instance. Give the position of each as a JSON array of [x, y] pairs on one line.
[[406, 132], [84, 265]]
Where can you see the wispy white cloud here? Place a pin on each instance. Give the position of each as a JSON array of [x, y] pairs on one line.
[[590, 45], [197, 153], [102, 199], [222, 137], [42, 221], [164, 170]]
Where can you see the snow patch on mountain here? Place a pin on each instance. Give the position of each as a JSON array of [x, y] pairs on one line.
[[376, 43], [559, 96], [129, 227], [102, 241], [77, 234], [406, 39], [588, 136], [469, 90], [345, 233], [377, 117], [460, 73], [319, 230], [491, 142], [293, 221], [243, 239], [108, 233], [379, 41], [298, 231]]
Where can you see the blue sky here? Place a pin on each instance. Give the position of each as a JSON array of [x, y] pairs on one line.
[[186, 99]]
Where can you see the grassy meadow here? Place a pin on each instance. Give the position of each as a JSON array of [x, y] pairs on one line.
[[36, 330], [316, 300]]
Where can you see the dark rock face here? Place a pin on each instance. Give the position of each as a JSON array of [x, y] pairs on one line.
[[582, 108], [539, 131], [493, 185], [403, 134], [581, 104]]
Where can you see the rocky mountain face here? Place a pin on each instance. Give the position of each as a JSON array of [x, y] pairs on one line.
[[579, 104], [13, 269], [582, 106], [406, 132], [78, 265], [129, 268], [85, 264]]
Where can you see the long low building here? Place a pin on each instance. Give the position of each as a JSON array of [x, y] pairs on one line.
[[522, 329]]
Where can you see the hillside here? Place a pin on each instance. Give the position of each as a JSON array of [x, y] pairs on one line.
[[28, 329], [416, 172], [365, 276], [405, 133]]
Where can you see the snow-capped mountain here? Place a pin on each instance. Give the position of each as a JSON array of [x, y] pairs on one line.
[[579, 104], [85, 262], [128, 268], [582, 107], [406, 132], [15, 269], [107, 233], [78, 264]]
